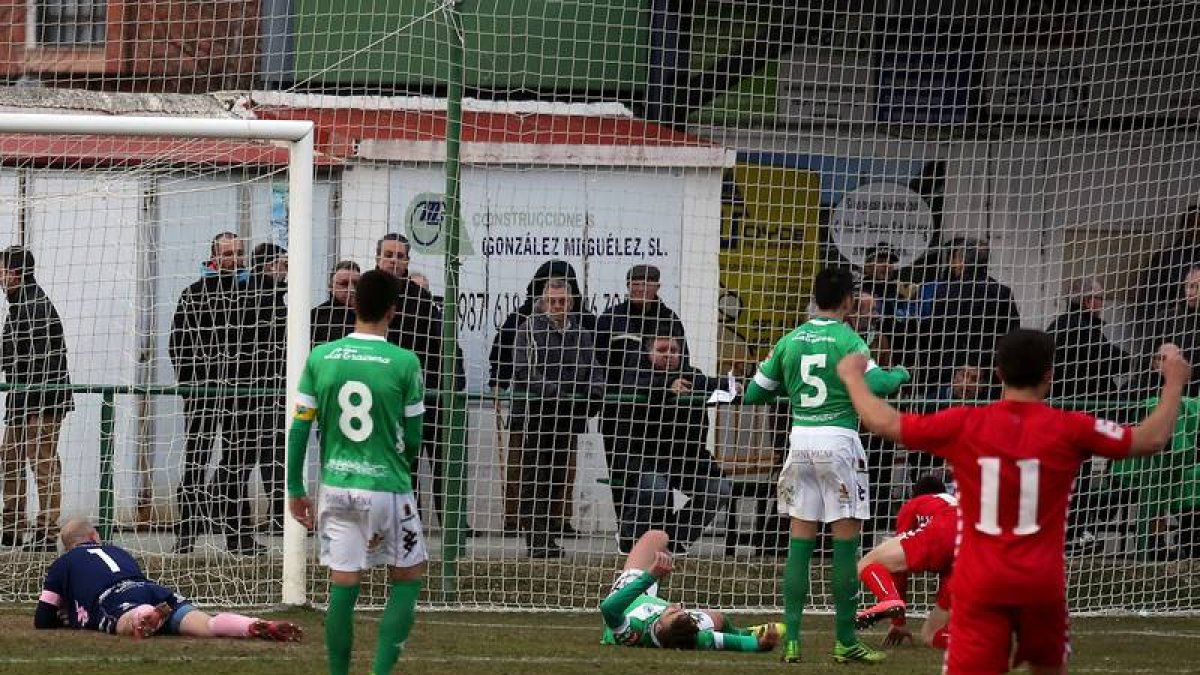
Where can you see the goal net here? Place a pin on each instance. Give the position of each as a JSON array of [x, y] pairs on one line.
[[673, 173], [126, 353]]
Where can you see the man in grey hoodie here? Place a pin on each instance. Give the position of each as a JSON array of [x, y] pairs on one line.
[[553, 364]]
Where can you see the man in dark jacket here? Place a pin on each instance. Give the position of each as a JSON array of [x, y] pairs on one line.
[[666, 448], [553, 363], [1169, 266], [971, 311], [1086, 364], [501, 359], [417, 326], [881, 279], [201, 347], [259, 434], [620, 333], [1181, 325], [32, 351], [334, 319]]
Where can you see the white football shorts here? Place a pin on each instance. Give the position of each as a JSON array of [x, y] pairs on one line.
[[825, 476], [360, 529]]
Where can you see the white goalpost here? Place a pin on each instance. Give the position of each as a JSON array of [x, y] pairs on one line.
[[297, 137]]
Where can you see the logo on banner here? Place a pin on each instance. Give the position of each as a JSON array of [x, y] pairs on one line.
[[425, 223], [883, 212]]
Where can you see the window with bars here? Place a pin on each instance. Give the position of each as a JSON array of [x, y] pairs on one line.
[[70, 23]]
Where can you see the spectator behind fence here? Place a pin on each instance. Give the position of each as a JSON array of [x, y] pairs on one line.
[[1086, 364], [969, 385], [881, 280], [501, 360], [33, 351], [1169, 266], [417, 326], [1181, 325], [620, 332], [259, 437], [971, 311], [201, 350], [667, 448], [553, 362], [866, 321], [334, 319]]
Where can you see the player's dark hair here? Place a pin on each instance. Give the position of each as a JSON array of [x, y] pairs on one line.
[[1023, 357], [832, 286], [376, 292], [680, 633], [928, 484], [390, 236]]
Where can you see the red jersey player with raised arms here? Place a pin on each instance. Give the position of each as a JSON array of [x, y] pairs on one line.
[[1015, 461]]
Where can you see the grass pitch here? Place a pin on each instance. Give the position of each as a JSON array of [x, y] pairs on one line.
[[461, 643]]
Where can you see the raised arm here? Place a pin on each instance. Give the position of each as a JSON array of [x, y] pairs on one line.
[[614, 606], [1155, 431], [876, 415]]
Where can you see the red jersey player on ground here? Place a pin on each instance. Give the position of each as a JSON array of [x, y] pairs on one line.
[[1014, 462], [926, 531]]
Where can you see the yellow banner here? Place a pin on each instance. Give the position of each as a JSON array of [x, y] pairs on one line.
[[770, 224]]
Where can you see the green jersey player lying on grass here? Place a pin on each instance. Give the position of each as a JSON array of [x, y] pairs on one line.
[[635, 616]]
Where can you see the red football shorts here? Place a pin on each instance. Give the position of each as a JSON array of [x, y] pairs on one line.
[[930, 548], [981, 636]]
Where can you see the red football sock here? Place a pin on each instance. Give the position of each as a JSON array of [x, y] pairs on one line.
[[941, 639], [879, 580]]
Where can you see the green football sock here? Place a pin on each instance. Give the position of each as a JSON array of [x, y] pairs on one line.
[[845, 588], [795, 584], [339, 627], [396, 623]]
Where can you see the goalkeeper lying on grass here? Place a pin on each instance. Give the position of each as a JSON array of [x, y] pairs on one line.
[[635, 616], [96, 586]]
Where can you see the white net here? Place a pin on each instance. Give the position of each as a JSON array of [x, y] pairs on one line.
[[114, 302], [979, 165]]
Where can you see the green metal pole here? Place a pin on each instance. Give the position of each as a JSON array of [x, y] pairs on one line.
[[106, 464], [453, 401]]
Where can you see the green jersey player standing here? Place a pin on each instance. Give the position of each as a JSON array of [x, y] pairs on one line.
[[367, 397], [824, 479]]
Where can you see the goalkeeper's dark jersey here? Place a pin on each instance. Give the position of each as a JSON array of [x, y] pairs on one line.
[[77, 579]]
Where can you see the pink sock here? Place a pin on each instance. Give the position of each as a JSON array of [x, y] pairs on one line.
[[230, 625]]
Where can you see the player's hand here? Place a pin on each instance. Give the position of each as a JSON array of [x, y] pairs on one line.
[[897, 635], [302, 510], [769, 638], [662, 565], [905, 376], [852, 365], [681, 386], [1175, 369]]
